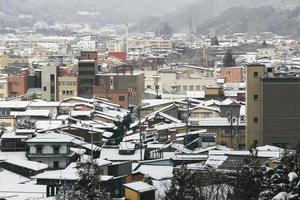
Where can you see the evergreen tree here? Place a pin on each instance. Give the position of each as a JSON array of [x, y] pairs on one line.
[[215, 41], [182, 185], [228, 60], [87, 187], [244, 178]]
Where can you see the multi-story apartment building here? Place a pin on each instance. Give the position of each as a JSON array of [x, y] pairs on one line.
[[176, 82], [87, 67], [155, 44], [273, 108], [49, 83], [67, 84]]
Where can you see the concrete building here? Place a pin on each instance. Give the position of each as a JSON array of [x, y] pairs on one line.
[[123, 89], [3, 88], [273, 108], [232, 74], [18, 84], [86, 45], [87, 67], [67, 84], [49, 83], [173, 82]]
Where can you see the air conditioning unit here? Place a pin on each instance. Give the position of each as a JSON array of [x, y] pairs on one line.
[[129, 89], [133, 93]]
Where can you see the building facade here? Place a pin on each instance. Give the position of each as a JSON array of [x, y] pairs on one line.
[[273, 108], [87, 67], [49, 83]]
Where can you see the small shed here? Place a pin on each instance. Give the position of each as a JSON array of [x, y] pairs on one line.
[[139, 191]]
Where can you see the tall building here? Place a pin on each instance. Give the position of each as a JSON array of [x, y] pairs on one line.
[[49, 83], [273, 108], [67, 84], [87, 67]]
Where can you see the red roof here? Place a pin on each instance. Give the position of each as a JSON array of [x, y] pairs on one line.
[[120, 55]]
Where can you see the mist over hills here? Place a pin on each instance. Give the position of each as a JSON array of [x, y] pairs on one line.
[[228, 16], [95, 12], [203, 16]]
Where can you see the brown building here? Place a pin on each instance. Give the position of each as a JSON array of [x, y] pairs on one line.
[[119, 97], [18, 84], [87, 67], [273, 108], [232, 74], [123, 89]]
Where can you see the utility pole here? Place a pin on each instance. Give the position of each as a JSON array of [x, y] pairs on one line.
[[141, 144], [92, 149], [231, 127], [187, 121]]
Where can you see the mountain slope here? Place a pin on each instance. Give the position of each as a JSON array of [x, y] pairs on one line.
[[97, 12], [252, 20]]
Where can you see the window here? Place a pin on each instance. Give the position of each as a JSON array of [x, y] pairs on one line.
[[56, 149], [17, 83], [52, 77], [45, 89], [255, 120], [121, 98], [39, 150], [198, 87], [1, 86], [148, 86], [191, 88], [227, 72], [255, 74], [184, 88], [255, 97]]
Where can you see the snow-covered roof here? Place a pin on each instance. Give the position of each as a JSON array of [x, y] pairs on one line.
[[33, 113], [76, 113], [14, 104], [13, 135], [41, 103], [17, 187], [48, 124], [126, 146], [140, 186], [27, 164], [157, 172], [215, 160], [112, 154], [51, 137], [164, 126], [86, 145], [100, 162]]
